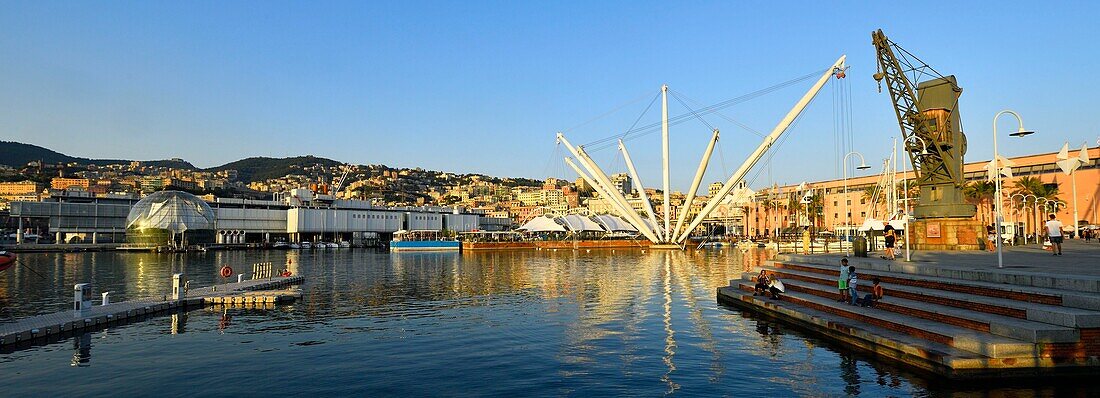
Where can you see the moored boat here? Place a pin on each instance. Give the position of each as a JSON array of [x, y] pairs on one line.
[[423, 240], [7, 259]]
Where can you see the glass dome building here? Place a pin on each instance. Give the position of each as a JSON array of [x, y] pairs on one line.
[[170, 218]]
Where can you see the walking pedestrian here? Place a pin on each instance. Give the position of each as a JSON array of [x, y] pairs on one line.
[[1054, 234], [891, 240]]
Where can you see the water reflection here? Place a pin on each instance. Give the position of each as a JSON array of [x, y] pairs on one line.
[[82, 350], [504, 323]]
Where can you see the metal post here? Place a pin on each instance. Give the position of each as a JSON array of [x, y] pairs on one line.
[[82, 299], [862, 163], [1073, 176], [998, 218], [997, 200], [664, 157], [179, 287], [106, 298]]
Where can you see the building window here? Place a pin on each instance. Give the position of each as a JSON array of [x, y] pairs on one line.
[[863, 214], [863, 201], [836, 215], [849, 202], [834, 203]]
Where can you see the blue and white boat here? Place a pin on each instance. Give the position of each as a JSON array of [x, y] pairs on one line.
[[423, 240]]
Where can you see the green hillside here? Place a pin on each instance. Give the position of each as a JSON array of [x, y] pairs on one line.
[[17, 154], [262, 168]]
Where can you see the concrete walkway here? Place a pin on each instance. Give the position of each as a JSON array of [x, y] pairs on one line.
[[1080, 258]]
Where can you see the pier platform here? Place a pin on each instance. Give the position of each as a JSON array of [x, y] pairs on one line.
[[59, 324], [953, 314]]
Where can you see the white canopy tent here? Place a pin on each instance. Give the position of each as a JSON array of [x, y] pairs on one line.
[[542, 224], [579, 223], [878, 225], [614, 224], [872, 225]]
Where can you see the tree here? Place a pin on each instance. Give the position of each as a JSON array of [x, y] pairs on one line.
[[816, 209], [980, 193]]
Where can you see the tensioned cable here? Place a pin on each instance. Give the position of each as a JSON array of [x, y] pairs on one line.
[[605, 114], [692, 111], [730, 119], [650, 128], [778, 145]]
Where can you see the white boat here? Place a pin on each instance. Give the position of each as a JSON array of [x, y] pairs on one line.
[[306, 246], [294, 246], [331, 245], [280, 246], [345, 244]]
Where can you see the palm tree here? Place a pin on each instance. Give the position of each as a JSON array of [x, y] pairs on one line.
[[980, 192], [816, 209], [1028, 185]]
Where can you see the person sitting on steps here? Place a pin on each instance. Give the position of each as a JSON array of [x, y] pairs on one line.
[[762, 283], [776, 287], [871, 298]]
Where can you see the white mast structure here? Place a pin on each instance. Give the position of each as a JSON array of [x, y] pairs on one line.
[[779, 129], [613, 196], [641, 192], [664, 157], [593, 175], [695, 183]]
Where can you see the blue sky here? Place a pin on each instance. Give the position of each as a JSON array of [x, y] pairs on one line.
[[483, 86]]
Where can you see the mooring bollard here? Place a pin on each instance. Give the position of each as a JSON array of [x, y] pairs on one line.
[[106, 299], [179, 287], [240, 278], [82, 299]]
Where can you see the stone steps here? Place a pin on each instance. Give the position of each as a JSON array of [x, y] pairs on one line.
[[1008, 291], [957, 337], [1088, 284], [1005, 326], [925, 350], [1050, 314]]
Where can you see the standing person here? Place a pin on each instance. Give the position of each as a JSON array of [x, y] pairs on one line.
[[805, 240], [842, 282], [891, 239], [1054, 233], [990, 238], [852, 293]]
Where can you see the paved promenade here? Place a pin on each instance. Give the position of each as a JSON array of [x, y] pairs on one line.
[[1080, 258]]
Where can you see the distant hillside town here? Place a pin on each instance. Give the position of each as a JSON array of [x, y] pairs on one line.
[[54, 175]]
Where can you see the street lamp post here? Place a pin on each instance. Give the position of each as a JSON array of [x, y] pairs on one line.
[[1031, 220], [1015, 215], [998, 217], [847, 217], [905, 181]]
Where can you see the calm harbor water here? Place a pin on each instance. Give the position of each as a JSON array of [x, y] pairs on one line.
[[519, 323]]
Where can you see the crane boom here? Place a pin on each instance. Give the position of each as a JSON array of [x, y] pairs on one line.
[[937, 151]]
